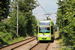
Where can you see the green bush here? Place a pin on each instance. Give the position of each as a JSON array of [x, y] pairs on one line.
[[2, 27], [5, 37]]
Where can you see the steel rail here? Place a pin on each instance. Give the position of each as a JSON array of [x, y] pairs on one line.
[[16, 43], [35, 46], [22, 44]]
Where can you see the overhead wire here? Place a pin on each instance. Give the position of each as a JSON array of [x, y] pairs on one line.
[[42, 7], [44, 10]]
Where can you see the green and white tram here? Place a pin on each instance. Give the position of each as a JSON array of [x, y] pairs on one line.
[[45, 30]]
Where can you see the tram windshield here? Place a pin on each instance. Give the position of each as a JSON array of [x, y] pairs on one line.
[[44, 26], [44, 29]]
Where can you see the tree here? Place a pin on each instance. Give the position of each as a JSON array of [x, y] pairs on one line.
[[65, 20], [27, 21], [55, 27], [4, 9]]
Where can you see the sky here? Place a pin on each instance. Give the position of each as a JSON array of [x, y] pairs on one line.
[[50, 6]]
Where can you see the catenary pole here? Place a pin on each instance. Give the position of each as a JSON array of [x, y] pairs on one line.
[[17, 19]]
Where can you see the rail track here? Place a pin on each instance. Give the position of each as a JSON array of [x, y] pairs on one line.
[[17, 44], [40, 46], [28, 44]]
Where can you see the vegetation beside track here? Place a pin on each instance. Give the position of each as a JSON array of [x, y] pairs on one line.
[[66, 22], [61, 45], [26, 21], [7, 38]]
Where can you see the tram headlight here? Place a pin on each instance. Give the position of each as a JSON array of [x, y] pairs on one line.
[[48, 35], [39, 36]]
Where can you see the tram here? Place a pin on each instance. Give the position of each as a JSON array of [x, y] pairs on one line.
[[45, 30]]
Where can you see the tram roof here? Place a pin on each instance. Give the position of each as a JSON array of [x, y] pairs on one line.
[[43, 21]]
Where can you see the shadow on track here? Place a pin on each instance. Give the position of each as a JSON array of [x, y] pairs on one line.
[[45, 41]]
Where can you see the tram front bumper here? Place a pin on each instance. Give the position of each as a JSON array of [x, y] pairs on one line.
[[44, 38]]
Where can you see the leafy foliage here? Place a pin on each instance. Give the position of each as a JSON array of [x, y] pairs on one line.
[[27, 21], [66, 19], [55, 26], [4, 9], [9, 38]]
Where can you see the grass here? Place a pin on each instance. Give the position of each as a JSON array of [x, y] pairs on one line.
[[61, 43], [19, 39], [16, 40], [6, 38]]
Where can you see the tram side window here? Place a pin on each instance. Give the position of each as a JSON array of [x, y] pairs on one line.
[[51, 29], [36, 29]]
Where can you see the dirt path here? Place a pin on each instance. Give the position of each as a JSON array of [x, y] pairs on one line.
[[55, 44]]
